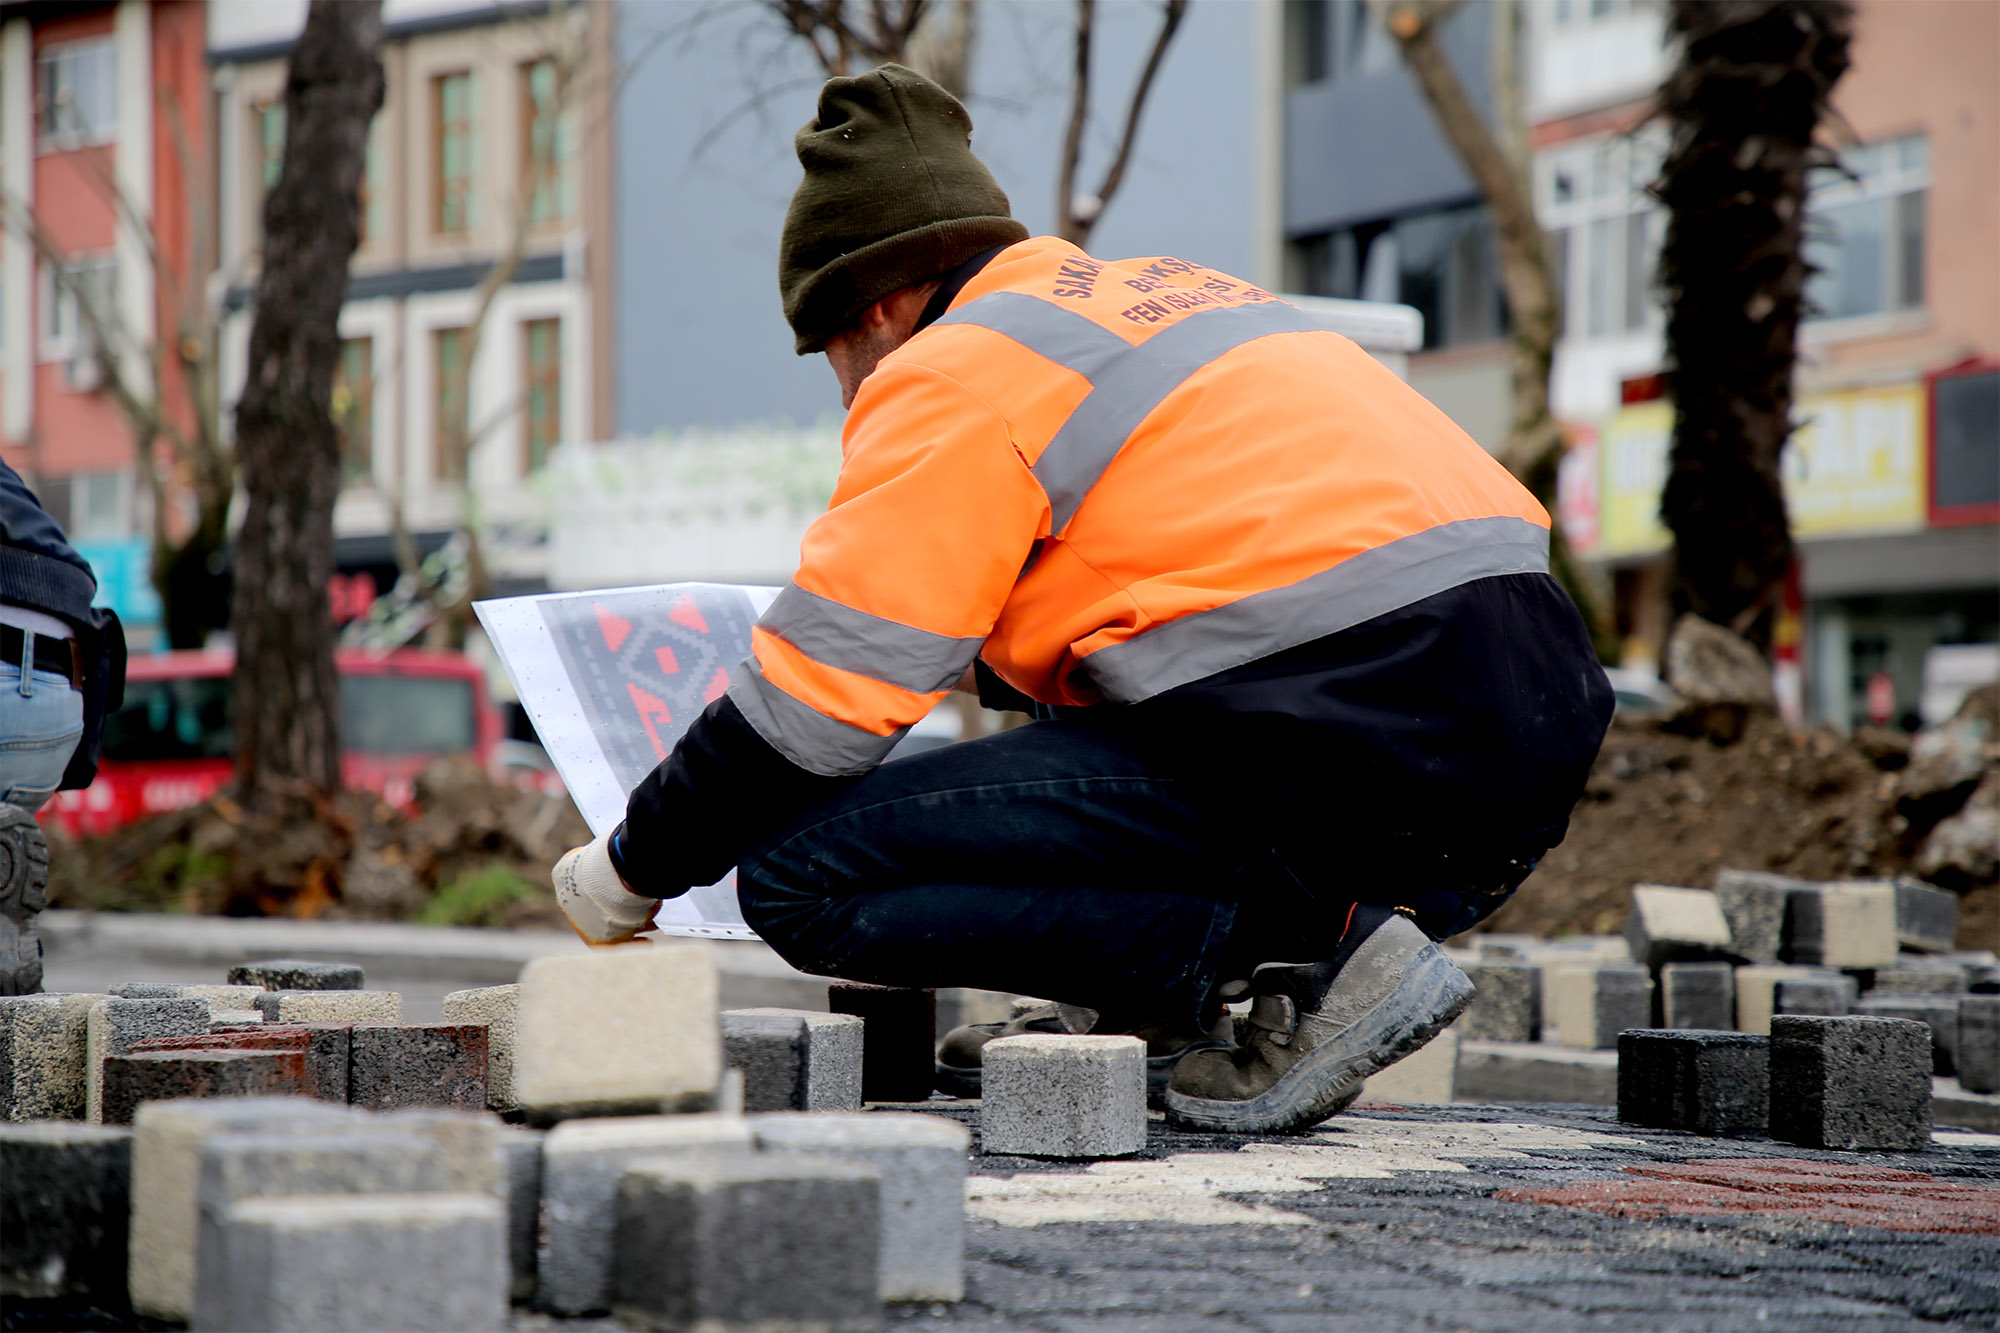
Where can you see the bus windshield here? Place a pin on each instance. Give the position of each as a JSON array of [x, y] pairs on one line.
[[385, 714]]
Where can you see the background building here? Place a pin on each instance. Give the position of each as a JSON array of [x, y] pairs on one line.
[[1893, 478], [103, 119], [494, 146]]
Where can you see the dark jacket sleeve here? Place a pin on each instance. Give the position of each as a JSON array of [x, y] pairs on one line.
[[723, 792], [38, 566], [40, 569]]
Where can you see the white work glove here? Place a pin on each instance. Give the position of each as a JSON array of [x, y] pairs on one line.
[[599, 906]]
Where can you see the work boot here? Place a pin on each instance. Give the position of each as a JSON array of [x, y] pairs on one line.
[[961, 1053], [1316, 1031], [24, 883]]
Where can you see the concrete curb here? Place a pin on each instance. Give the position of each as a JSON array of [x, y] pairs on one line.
[[458, 953]]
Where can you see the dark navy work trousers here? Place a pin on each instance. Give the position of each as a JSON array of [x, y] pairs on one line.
[[1059, 860]]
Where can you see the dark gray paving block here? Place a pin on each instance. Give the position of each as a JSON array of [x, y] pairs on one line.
[[1698, 995], [1708, 1083], [1937, 1012], [1753, 902], [1506, 1003], [297, 974], [65, 1203], [1859, 1082], [400, 1066], [748, 1241], [521, 1179], [1913, 975], [1829, 995], [1978, 1050], [769, 1047], [1926, 918], [899, 1038]]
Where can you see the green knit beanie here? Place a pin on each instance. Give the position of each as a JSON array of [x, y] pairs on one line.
[[892, 197]]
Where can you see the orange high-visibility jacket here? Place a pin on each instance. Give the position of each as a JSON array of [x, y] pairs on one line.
[[1107, 480]]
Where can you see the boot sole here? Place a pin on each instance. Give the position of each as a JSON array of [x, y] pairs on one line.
[[1431, 993], [24, 863]]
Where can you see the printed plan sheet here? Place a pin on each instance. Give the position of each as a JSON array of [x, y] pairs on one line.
[[611, 679]]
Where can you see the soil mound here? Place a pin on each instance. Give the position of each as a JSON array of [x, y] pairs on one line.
[[1664, 806], [472, 851]]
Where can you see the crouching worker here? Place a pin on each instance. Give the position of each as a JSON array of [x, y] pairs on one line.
[[1310, 700]]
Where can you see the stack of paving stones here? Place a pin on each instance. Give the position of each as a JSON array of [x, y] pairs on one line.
[[387, 1190], [1759, 946]]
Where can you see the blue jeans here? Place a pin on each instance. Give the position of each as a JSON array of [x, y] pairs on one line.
[[41, 717], [1063, 860]]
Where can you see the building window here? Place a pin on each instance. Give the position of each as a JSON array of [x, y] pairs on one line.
[[455, 148], [1326, 39], [76, 88], [450, 427], [374, 187], [545, 147], [66, 334], [541, 379], [1445, 263], [1865, 231], [1605, 233], [100, 506], [269, 125], [354, 408]]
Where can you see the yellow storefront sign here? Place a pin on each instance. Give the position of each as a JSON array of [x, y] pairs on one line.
[[1855, 465], [1634, 468], [1856, 462]]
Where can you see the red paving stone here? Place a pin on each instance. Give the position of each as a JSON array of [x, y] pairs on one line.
[[1859, 1196]]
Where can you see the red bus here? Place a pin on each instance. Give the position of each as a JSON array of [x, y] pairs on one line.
[[170, 745]]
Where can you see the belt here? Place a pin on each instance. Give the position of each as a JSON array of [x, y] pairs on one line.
[[57, 655]]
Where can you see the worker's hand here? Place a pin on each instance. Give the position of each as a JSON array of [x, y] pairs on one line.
[[599, 906]]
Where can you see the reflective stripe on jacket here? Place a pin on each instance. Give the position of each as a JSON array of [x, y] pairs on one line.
[[1107, 480]]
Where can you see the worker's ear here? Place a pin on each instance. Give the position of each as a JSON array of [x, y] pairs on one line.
[[880, 315]]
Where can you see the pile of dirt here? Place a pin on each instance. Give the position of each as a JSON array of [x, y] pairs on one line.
[[1673, 803], [471, 852]]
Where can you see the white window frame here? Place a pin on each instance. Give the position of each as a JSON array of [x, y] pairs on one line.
[[61, 322], [1887, 169], [60, 60], [109, 491], [1591, 190]]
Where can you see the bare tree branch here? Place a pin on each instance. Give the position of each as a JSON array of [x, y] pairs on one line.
[[1077, 216]]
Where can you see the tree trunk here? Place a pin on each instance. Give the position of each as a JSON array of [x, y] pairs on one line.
[[286, 691], [1751, 87], [1498, 165]]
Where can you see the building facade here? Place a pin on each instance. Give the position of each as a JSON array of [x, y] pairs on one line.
[[103, 121], [475, 337], [1893, 476], [1376, 205]]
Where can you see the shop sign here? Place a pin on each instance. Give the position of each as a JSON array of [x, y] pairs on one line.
[[1634, 467], [1856, 462], [1855, 465], [124, 572]]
